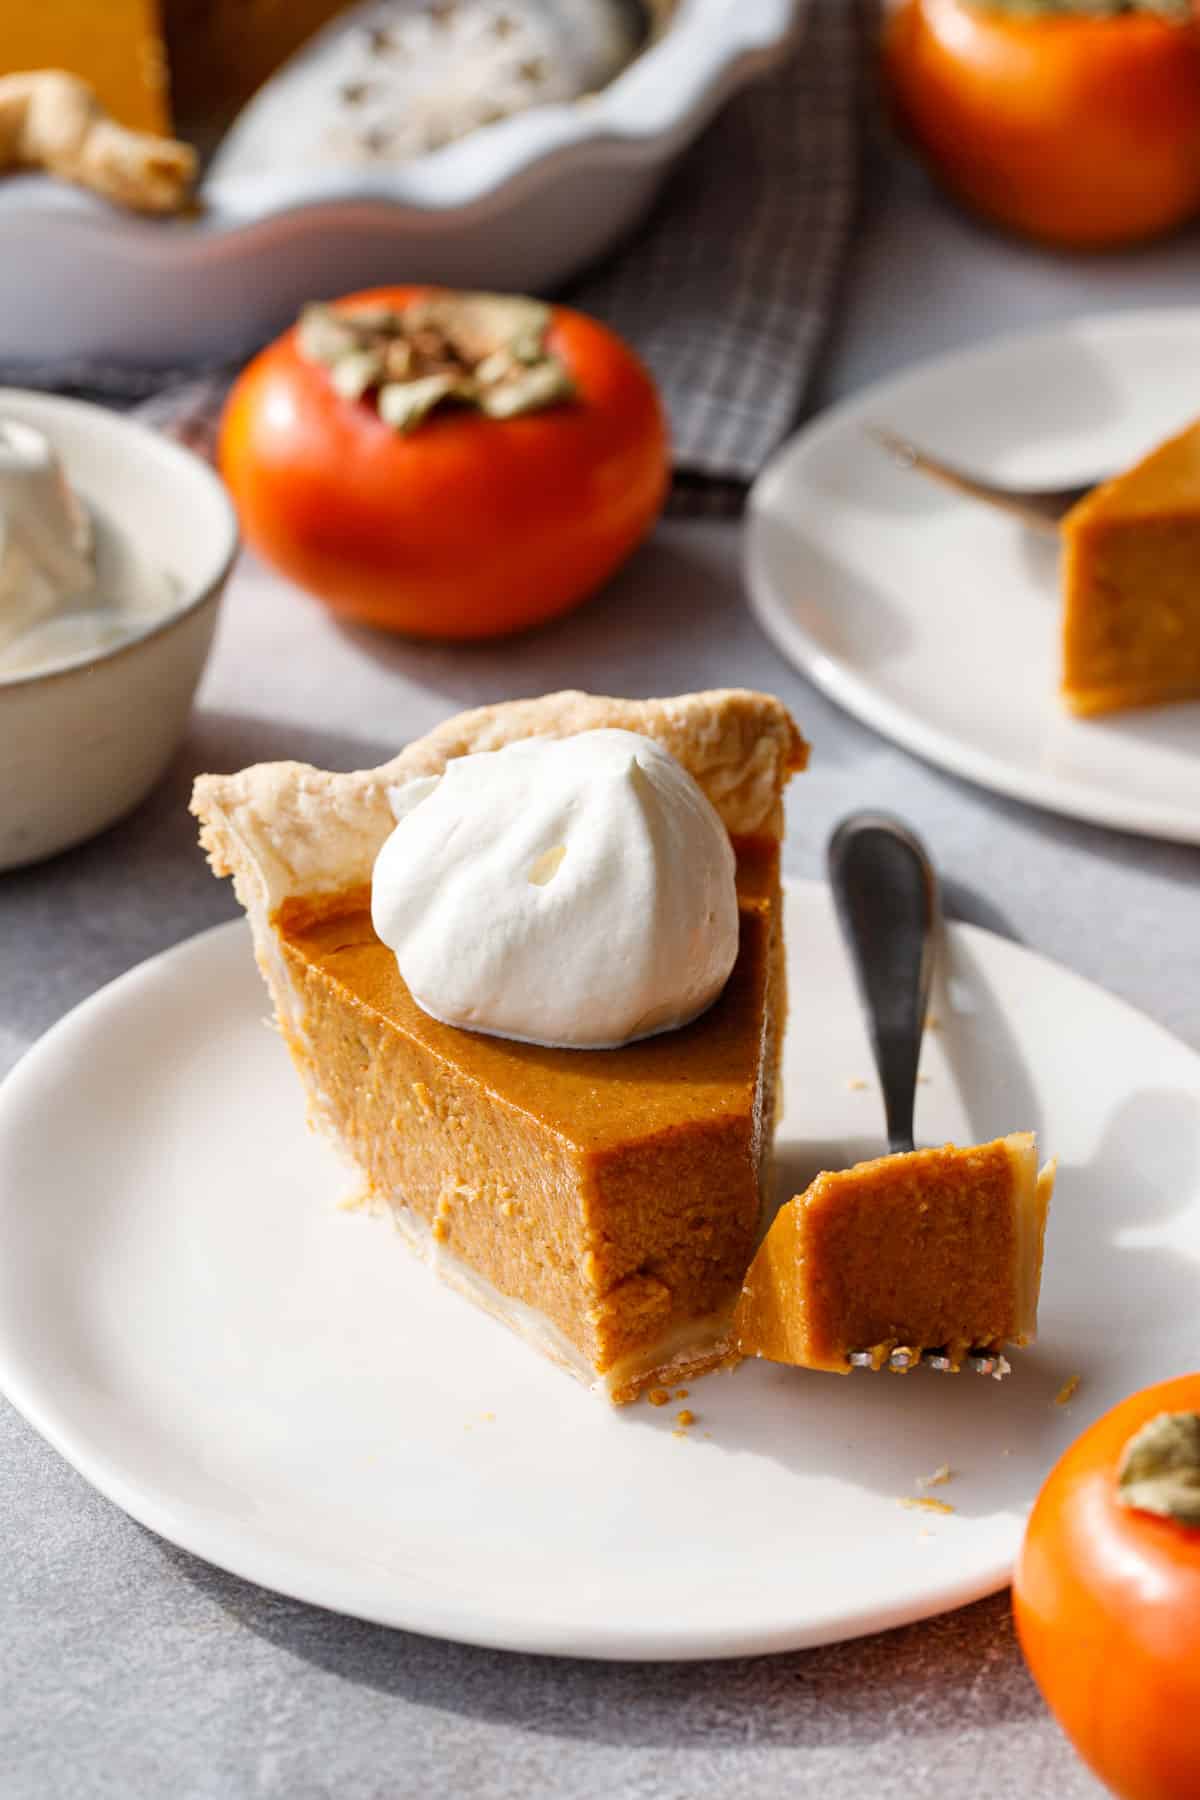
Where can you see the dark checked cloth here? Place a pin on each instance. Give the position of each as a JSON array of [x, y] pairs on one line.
[[726, 291]]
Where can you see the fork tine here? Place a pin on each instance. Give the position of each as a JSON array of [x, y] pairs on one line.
[[903, 1358]]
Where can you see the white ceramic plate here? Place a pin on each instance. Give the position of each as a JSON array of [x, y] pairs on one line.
[[934, 619], [280, 1387]]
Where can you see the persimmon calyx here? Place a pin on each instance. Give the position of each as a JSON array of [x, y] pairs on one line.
[[1159, 1471], [487, 351]]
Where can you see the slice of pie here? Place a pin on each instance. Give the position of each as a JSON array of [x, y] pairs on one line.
[[1131, 585], [931, 1250], [604, 1203]]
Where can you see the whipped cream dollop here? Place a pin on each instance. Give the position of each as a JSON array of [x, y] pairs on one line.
[[576, 892], [46, 548], [71, 584]]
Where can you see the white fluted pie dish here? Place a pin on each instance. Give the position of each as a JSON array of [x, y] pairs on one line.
[[518, 206]]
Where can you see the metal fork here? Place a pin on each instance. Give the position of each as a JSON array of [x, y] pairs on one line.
[[885, 892], [1042, 509]]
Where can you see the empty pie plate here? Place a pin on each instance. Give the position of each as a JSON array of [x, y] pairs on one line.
[[515, 207]]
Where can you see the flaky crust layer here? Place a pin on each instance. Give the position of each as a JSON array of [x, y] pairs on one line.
[[287, 830]]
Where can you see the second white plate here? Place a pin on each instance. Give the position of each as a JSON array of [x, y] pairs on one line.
[[935, 620], [281, 1388]]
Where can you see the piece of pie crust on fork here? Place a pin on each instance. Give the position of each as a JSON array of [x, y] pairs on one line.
[[606, 1204]]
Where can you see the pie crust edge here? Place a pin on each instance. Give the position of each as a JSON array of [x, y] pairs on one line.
[[285, 830]]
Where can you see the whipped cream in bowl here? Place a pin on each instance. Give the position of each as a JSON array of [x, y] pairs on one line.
[[576, 892], [115, 545], [72, 584]]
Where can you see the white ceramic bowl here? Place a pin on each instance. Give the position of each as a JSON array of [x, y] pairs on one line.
[[81, 745], [519, 206]]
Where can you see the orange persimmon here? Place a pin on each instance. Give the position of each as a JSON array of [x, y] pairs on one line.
[[1076, 125], [1107, 1594], [460, 525]]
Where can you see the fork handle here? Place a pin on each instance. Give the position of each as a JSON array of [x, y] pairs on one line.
[[886, 895]]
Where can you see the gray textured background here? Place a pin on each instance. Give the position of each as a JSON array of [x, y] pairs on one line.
[[128, 1668]]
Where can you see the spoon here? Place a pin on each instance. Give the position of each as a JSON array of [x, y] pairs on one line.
[[885, 892], [1042, 509]]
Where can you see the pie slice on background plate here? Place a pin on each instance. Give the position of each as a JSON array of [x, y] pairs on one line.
[[1131, 584]]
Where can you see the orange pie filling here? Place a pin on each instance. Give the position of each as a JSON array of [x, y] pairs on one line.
[[937, 1249], [606, 1202], [1131, 585]]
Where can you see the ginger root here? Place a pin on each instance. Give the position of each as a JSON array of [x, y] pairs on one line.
[[53, 121]]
